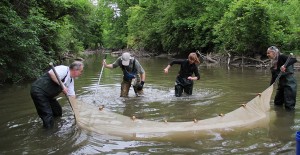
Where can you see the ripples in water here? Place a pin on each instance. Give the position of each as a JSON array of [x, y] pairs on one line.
[[153, 104]]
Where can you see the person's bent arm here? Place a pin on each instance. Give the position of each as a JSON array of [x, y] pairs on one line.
[[140, 71], [143, 76], [110, 66], [197, 74], [284, 59], [53, 78], [291, 61], [71, 91], [166, 70]]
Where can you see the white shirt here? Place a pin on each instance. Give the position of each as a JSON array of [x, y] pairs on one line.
[[64, 72]]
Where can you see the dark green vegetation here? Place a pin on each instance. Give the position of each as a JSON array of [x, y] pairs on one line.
[[35, 32]]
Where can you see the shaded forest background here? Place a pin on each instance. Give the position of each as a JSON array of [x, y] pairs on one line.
[[35, 32]]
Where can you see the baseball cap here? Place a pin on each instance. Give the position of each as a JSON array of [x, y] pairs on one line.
[[125, 58]]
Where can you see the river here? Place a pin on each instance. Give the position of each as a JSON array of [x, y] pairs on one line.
[[220, 90]]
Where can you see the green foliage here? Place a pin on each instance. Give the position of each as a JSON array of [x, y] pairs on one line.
[[66, 41], [85, 23], [113, 17], [143, 34], [20, 45], [177, 25], [35, 32], [244, 27], [240, 26], [285, 27], [211, 13], [135, 23]]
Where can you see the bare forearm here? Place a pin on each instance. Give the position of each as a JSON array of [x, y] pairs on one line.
[[192, 78], [110, 66], [168, 67], [72, 96], [166, 70], [143, 76]]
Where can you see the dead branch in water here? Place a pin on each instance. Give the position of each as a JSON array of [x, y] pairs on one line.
[[239, 61], [207, 58]]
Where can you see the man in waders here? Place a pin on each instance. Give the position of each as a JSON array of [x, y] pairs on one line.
[[287, 85], [133, 74], [46, 88], [184, 81]]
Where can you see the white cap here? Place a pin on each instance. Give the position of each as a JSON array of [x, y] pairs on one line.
[[125, 58]]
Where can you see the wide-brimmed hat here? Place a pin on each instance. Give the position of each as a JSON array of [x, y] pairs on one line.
[[125, 58]]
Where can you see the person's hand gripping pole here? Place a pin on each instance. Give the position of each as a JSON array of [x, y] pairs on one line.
[[283, 68], [60, 83]]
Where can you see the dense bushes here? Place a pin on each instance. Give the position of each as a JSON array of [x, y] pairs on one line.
[[244, 28], [240, 27], [34, 32], [20, 45]]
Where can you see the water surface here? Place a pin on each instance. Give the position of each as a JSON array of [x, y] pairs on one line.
[[220, 90]]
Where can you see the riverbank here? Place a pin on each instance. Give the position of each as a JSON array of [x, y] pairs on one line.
[[258, 61]]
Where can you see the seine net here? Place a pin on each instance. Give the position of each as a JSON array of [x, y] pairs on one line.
[[103, 121]]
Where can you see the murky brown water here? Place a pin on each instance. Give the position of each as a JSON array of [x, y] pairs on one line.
[[219, 91]]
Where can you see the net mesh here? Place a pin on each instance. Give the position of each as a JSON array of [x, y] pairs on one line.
[[104, 121]]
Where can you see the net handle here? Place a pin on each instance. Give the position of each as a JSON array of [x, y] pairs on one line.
[[61, 85]]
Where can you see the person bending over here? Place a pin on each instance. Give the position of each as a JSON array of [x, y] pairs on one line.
[[184, 80], [46, 88], [133, 74]]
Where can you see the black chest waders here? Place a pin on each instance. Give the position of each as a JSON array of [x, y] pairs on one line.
[[287, 86], [183, 84], [43, 93]]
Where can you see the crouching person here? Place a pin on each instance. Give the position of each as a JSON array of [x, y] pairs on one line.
[[46, 88], [184, 80], [133, 74]]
